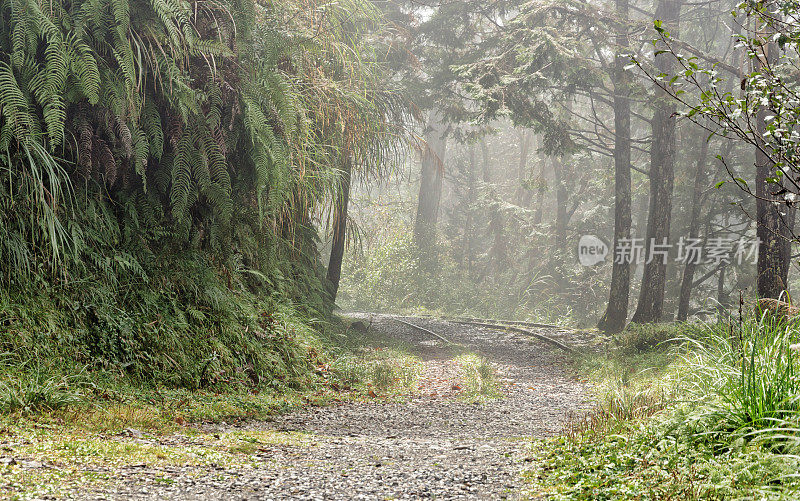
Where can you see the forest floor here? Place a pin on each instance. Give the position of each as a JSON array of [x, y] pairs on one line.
[[463, 432]]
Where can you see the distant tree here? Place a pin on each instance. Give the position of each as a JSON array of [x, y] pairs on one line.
[[430, 186], [698, 197]]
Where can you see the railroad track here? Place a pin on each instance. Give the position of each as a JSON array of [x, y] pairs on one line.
[[513, 326], [493, 321]]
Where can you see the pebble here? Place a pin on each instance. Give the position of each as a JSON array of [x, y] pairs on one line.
[[432, 446]]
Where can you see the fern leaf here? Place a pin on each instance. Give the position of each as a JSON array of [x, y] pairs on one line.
[[13, 104], [150, 122], [84, 67]]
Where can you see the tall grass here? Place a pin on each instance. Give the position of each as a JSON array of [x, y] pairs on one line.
[[711, 413], [743, 380], [32, 386]]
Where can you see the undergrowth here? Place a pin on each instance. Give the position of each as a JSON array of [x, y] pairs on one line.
[[689, 411], [291, 362], [52, 354]]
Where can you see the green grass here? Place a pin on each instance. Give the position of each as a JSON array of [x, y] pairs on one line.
[[684, 412], [479, 378], [314, 363]]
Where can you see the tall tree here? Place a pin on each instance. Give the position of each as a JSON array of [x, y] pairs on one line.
[[430, 187], [774, 221], [562, 217], [339, 226], [616, 314], [661, 177], [700, 176], [498, 252], [522, 192]]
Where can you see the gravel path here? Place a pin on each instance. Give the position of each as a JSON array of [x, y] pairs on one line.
[[433, 446]]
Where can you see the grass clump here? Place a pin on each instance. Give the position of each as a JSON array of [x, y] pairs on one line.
[[32, 386], [714, 415], [388, 371], [479, 377]]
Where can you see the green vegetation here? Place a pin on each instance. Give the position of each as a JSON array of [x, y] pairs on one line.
[[712, 415], [479, 377], [331, 364], [161, 167]]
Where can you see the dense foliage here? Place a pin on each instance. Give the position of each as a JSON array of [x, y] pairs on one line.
[[163, 162]]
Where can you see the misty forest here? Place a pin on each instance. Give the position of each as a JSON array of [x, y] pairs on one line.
[[399, 249]]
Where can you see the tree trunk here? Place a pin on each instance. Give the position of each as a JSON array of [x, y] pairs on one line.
[[662, 180], [694, 232], [561, 203], [498, 251], [523, 192], [430, 189], [773, 229], [617, 310], [339, 228], [722, 300], [540, 193], [469, 248], [487, 178]]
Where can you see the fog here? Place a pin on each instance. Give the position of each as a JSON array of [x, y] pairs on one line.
[[539, 128]]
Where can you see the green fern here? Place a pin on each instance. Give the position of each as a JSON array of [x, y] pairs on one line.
[[161, 156]]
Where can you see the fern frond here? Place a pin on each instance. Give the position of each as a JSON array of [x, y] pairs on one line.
[[13, 104], [150, 122], [84, 67], [181, 176]]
